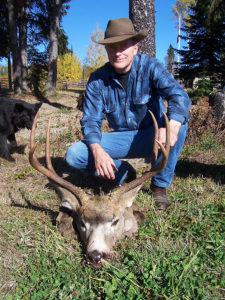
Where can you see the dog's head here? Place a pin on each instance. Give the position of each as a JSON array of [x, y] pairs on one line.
[[23, 115]]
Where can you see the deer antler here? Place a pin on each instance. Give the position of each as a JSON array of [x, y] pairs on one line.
[[153, 169], [49, 171]]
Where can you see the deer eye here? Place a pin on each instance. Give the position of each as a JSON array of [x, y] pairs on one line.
[[83, 227], [114, 223]]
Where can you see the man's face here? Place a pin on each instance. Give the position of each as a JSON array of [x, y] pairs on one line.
[[121, 55]]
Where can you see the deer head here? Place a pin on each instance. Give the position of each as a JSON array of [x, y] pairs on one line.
[[100, 219]]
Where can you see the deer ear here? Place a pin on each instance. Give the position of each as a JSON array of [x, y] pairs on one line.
[[128, 197], [68, 199]]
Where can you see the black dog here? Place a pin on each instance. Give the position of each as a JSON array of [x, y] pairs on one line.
[[14, 115]]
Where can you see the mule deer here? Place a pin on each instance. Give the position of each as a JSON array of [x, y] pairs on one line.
[[100, 219]]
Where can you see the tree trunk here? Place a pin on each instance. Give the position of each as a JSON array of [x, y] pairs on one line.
[[14, 46], [9, 73], [53, 49], [23, 45], [142, 14]]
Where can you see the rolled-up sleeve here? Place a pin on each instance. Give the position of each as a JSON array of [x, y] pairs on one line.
[[93, 116], [169, 89]]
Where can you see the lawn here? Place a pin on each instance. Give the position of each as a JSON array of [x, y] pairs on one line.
[[177, 254]]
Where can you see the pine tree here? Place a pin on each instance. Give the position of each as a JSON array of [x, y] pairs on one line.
[[24, 26], [205, 34], [14, 45], [181, 13], [170, 58], [54, 12]]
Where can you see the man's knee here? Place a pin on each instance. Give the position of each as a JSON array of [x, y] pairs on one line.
[[70, 157], [75, 156]]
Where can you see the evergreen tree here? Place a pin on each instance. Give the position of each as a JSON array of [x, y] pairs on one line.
[[170, 58], [4, 41], [181, 13], [54, 13], [14, 44], [24, 27], [45, 30], [205, 53]]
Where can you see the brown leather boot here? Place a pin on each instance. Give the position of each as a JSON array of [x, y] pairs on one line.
[[160, 197]]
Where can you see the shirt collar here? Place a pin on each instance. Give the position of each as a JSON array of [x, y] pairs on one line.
[[112, 73]]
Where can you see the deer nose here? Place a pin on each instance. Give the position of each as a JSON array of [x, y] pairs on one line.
[[94, 256]]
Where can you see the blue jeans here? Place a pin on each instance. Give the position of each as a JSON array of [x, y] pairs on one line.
[[127, 144]]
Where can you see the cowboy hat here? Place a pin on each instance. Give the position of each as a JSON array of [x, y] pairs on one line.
[[119, 30]]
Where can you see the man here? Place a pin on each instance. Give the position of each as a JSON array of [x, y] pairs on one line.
[[123, 90]]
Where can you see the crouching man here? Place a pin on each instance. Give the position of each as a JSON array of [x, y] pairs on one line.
[[123, 90]]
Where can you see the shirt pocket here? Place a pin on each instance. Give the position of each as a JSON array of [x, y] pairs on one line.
[[141, 100], [109, 101], [142, 93]]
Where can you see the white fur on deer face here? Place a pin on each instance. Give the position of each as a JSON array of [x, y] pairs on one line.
[[102, 221]]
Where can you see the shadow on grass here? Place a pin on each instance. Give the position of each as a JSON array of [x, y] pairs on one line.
[[72, 230], [78, 90], [40, 97], [47, 211], [76, 177], [186, 168], [79, 178]]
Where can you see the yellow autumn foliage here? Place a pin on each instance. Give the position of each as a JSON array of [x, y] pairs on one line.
[[96, 54], [69, 67]]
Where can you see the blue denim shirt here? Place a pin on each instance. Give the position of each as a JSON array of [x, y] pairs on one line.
[[148, 83]]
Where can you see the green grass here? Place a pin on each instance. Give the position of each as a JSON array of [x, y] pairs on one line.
[[66, 136], [177, 254], [24, 173], [207, 142], [65, 110]]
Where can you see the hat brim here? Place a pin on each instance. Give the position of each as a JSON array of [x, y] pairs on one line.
[[116, 39]]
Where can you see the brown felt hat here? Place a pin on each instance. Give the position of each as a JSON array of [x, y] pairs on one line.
[[119, 30]]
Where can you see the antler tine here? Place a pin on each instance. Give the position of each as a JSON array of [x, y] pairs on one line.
[[47, 149], [154, 169], [156, 145], [165, 150], [32, 134], [49, 171], [155, 148]]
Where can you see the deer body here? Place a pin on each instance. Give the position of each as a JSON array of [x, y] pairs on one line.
[[103, 219]]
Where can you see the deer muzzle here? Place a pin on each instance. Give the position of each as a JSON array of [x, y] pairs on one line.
[[95, 258]]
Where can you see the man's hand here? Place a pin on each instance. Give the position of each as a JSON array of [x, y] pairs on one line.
[[174, 130], [104, 164]]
